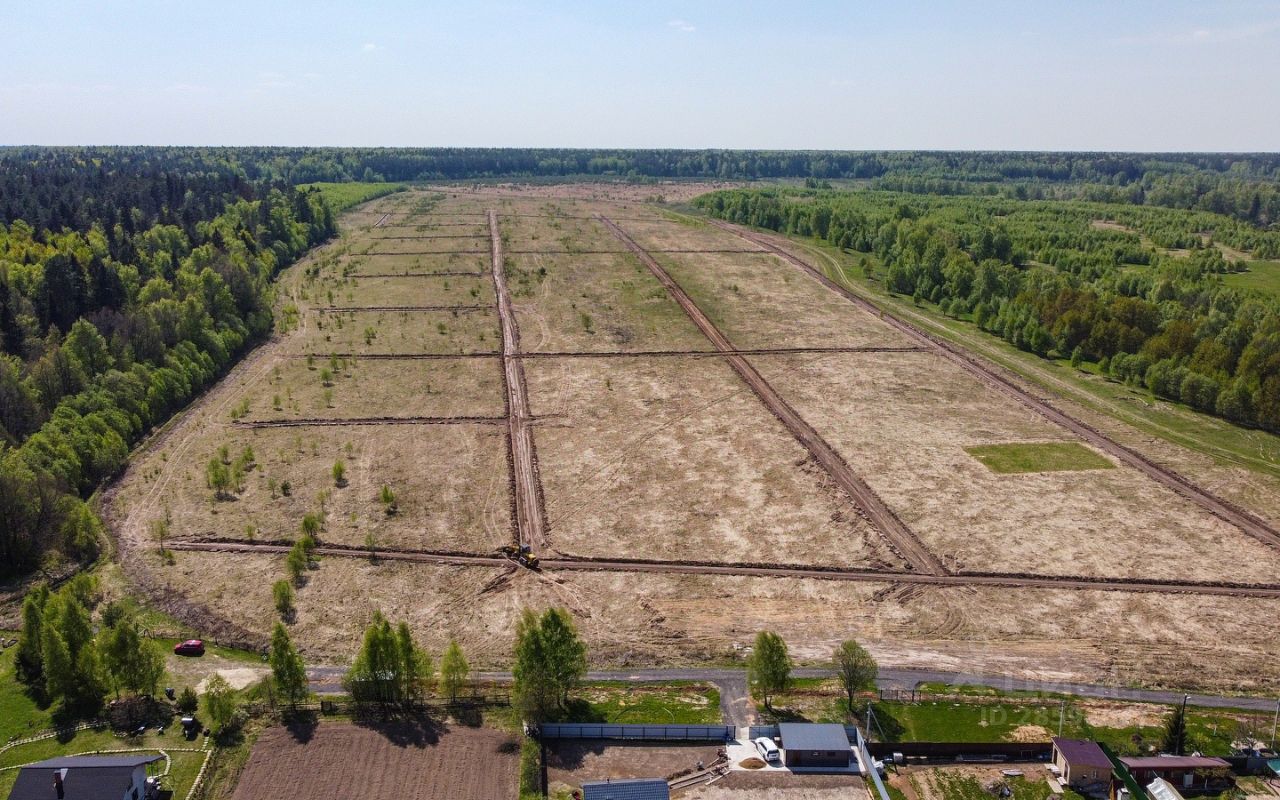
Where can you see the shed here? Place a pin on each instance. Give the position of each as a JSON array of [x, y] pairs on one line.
[[1186, 773], [634, 789], [1080, 761], [85, 778], [813, 745]]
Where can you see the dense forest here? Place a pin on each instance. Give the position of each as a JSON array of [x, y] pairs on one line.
[[1244, 186], [1137, 291], [126, 286]]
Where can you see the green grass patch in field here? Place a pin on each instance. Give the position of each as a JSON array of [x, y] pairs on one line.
[[658, 704], [19, 714], [1038, 457], [341, 196], [1264, 276]]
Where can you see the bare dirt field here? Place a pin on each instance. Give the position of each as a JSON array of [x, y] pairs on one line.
[[676, 459], [405, 760], [667, 458], [572, 761], [595, 303], [882, 411], [360, 388]]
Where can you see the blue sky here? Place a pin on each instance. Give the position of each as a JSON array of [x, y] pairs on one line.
[[1075, 74]]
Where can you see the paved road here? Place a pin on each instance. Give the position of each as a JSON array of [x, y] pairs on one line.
[[736, 709]]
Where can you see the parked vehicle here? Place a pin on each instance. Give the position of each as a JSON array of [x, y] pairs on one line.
[[191, 647], [768, 750]]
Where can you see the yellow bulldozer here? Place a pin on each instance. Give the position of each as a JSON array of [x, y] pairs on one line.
[[522, 555]]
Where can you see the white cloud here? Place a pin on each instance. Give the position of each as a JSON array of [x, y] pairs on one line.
[[682, 26], [369, 47]]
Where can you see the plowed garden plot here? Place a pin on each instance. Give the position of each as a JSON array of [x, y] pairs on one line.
[[428, 226], [450, 483], [474, 244], [445, 387], [759, 302], [413, 762], [570, 761], [398, 333], [423, 264], [593, 303], [903, 420], [451, 290], [667, 458]]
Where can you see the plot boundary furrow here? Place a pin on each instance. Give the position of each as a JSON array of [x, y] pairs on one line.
[[761, 570], [1246, 521], [530, 514], [353, 421], [898, 536], [349, 309]]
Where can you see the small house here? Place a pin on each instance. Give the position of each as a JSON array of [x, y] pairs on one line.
[[1080, 762], [121, 777], [815, 746], [632, 789]]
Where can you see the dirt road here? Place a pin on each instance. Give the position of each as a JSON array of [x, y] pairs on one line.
[[1242, 519], [530, 518], [899, 537]]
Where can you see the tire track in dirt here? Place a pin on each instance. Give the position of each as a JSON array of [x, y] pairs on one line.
[[1246, 521], [454, 309], [899, 537], [354, 421], [530, 510], [762, 570]]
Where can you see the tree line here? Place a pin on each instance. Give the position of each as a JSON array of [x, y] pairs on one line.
[[106, 332], [1092, 282]]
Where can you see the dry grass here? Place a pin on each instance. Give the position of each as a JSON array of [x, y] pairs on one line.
[[398, 333]]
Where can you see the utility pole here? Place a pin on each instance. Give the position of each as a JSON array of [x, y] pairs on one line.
[[1273, 725], [1182, 739], [1062, 712]]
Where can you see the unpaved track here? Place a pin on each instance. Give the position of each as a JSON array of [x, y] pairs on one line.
[[342, 421], [1251, 524], [899, 537], [454, 274], [995, 580], [455, 309], [530, 517], [764, 351]]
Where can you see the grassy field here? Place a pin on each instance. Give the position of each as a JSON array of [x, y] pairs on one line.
[[1038, 457], [1262, 275], [983, 714], [19, 714], [659, 704], [341, 196]]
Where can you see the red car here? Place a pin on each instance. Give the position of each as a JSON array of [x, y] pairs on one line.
[[191, 647]]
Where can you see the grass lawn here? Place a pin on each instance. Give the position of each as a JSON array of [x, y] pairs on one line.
[[19, 714], [185, 765], [1262, 275], [1038, 457], [659, 704]]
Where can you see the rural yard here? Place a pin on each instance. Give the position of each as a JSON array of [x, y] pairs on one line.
[[700, 436]]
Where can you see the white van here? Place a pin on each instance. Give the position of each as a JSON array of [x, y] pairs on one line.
[[768, 750]]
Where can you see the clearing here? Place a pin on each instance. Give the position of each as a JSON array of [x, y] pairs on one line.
[[1038, 457]]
